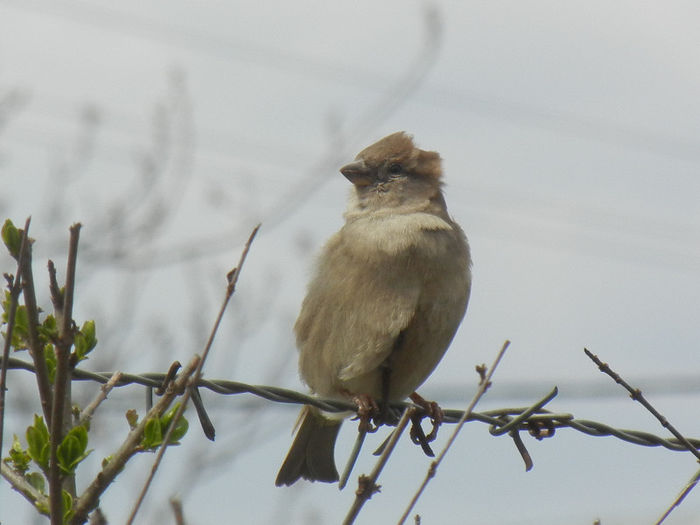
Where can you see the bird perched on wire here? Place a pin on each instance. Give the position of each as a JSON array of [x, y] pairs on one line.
[[389, 291]]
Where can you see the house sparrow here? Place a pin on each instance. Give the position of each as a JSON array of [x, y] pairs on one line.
[[388, 294]]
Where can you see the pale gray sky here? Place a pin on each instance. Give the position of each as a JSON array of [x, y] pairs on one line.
[[569, 133]]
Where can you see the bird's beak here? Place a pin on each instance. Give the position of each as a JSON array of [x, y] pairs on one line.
[[358, 173]]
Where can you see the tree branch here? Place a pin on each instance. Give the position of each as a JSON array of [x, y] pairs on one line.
[[90, 497]]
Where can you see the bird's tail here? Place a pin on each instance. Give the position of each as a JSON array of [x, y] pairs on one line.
[[311, 455]]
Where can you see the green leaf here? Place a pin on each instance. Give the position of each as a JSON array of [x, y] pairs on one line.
[[180, 429], [37, 481], [38, 443], [85, 340], [12, 238], [72, 449], [166, 418], [18, 458], [152, 435], [20, 331], [7, 298], [48, 331], [67, 506], [50, 356]]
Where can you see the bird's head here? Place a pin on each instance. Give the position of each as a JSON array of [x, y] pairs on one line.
[[393, 172]]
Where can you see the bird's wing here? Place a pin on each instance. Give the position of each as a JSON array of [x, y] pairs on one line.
[[365, 293], [348, 324]]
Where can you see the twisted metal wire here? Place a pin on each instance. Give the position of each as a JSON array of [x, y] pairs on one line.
[[540, 423]]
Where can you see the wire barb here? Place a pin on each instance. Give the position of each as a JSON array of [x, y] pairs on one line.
[[540, 422]]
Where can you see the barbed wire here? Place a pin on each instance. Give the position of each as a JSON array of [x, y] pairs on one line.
[[535, 420]]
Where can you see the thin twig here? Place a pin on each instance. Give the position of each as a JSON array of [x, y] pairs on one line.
[[105, 389], [483, 385], [36, 348], [90, 497], [686, 490], [69, 287], [21, 485], [60, 418], [367, 485], [352, 459], [178, 513], [15, 289], [636, 394], [230, 289]]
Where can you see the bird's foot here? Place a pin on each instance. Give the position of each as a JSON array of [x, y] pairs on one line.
[[367, 411]]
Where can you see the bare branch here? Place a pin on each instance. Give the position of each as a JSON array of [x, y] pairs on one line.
[[105, 389], [36, 349], [367, 485], [483, 385], [636, 394], [21, 485], [178, 513], [60, 418], [230, 289], [686, 490], [90, 498]]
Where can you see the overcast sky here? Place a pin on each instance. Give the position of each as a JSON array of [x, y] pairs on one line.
[[569, 133]]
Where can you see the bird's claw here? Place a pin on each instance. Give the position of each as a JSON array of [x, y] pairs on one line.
[[367, 411]]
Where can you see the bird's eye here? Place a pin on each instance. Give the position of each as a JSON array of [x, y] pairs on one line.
[[395, 168]]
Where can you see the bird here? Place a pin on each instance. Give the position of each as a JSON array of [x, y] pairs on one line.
[[389, 291]]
